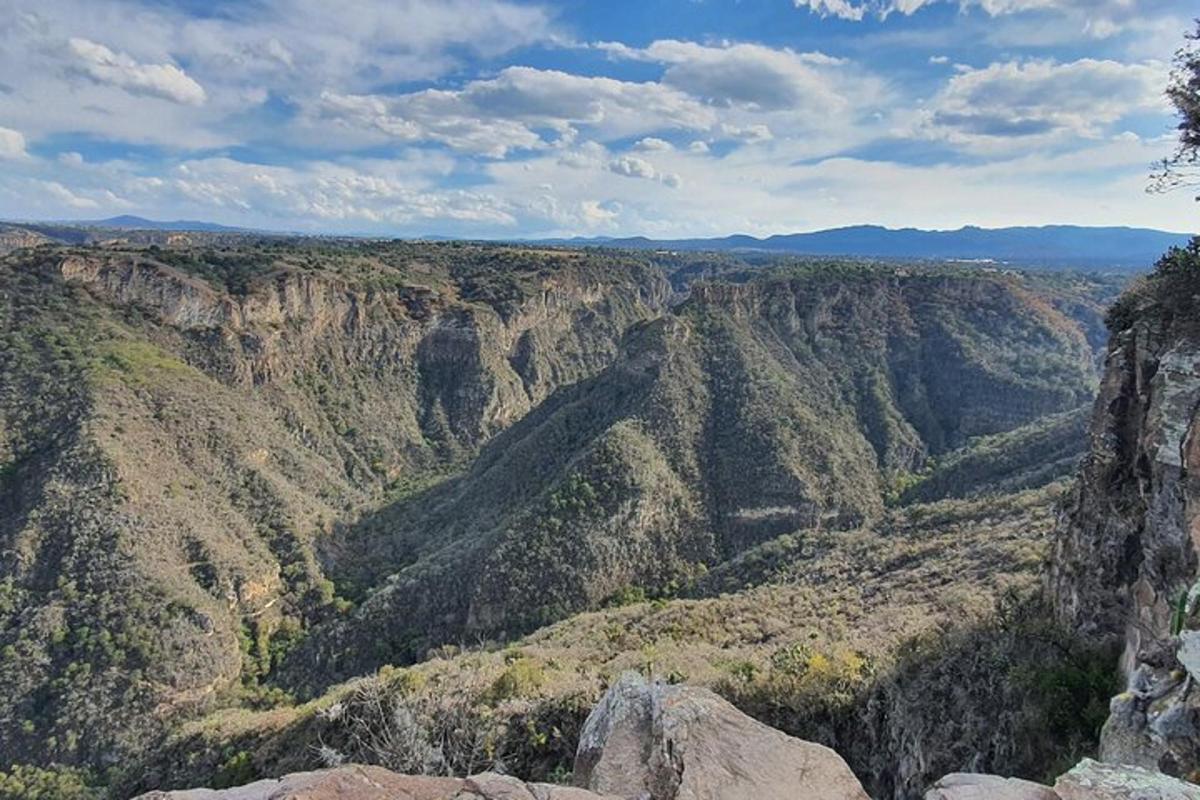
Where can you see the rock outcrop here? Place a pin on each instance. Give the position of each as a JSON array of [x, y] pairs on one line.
[[1126, 556], [1087, 780], [970, 786], [663, 742], [357, 782]]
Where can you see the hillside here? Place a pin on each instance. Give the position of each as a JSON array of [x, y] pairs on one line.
[[787, 403], [173, 445], [233, 474]]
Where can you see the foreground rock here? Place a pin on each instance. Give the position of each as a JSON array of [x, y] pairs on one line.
[[661, 742], [967, 786], [375, 783], [1091, 780], [1088, 780]]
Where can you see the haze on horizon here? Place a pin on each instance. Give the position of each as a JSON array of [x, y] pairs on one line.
[[507, 119]]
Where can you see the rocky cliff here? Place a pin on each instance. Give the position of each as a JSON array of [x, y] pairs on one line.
[[1125, 558]]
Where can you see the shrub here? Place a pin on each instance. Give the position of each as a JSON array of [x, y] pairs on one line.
[[521, 678], [27, 782]]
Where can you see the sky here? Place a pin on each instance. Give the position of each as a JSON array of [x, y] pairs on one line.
[[663, 118]]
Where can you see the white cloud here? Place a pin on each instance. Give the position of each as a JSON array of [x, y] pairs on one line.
[[68, 197], [118, 69], [858, 10], [755, 76], [1040, 98], [652, 143], [1099, 183], [633, 167], [133, 53], [12, 143], [844, 9], [496, 115], [324, 193]]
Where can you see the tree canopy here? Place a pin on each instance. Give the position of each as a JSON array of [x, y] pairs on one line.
[[1183, 167]]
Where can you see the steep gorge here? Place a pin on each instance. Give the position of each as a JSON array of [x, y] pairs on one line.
[[231, 472], [753, 410]]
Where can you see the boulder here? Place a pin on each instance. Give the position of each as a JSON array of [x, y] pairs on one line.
[[970, 786], [1091, 780], [654, 741]]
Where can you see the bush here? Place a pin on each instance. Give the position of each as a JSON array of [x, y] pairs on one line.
[[522, 678], [27, 782]]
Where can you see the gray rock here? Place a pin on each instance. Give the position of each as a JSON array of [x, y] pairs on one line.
[[1091, 780], [970, 786], [1189, 653], [658, 742]]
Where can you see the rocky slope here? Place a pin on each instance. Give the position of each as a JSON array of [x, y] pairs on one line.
[[781, 404]]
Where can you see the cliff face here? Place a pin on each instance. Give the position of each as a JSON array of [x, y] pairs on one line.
[[1127, 547], [1125, 556]]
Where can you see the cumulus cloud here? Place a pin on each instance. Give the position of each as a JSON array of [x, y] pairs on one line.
[[497, 115], [858, 9], [67, 197], [329, 193], [1031, 98], [218, 67], [755, 76], [12, 143], [118, 69], [634, 167], [653, 143]]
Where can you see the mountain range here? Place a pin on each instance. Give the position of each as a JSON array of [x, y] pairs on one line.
[[1051, 246]]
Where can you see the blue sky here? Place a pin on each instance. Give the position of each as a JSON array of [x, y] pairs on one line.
[[507, 118]]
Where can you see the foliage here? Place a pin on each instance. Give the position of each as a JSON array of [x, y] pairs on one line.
[[29, 782], [1180, 169], [1170, 293]]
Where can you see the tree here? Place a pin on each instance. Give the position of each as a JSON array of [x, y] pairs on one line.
[[1183, 167]]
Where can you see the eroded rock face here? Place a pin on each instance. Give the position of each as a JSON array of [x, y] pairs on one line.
[[662, 742], [1126, 551]]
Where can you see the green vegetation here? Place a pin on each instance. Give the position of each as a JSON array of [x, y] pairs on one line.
[[1166, 295], [28, 782]]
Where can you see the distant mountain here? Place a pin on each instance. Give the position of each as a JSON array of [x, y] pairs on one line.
[[1051, 245], [130, 222]]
